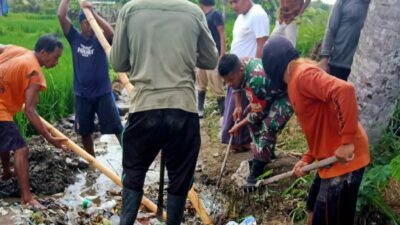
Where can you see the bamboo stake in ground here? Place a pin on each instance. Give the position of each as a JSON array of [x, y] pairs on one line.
[[128, 86], [95, 163]]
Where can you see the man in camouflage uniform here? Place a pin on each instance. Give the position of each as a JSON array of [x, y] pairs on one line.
[[268, 111]]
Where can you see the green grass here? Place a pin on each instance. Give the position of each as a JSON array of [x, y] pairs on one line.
[[312, 26], [57, 101]]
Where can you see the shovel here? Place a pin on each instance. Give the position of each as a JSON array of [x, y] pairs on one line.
[[222, 170], [322, 163]]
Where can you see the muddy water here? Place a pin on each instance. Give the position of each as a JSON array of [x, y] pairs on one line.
[[97, 187], [93, 184]]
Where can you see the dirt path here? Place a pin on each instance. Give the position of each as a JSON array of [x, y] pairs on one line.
[[267, 206]]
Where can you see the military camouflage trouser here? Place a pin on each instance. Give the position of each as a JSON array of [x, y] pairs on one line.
[[264, 134]]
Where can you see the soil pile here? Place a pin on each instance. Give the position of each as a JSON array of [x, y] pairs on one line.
[[50, 170]]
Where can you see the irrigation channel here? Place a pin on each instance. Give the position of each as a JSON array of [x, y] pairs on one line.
[[75, 193]]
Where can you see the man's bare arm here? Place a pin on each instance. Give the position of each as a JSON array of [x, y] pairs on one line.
[[260, 44], [62, 14]]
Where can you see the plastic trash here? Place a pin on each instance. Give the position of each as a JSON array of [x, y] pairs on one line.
[[114, 220], [249, 220], [107, 206], [86, 203], [232, 223], [93, 210]]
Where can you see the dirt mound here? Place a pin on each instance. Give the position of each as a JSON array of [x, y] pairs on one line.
[[267, 204], [392, 195], [50, 169]]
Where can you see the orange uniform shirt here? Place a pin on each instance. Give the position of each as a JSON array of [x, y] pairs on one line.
[[18, 68], [326, 109]]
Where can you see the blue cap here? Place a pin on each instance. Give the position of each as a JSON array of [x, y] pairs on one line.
[[81, 16]]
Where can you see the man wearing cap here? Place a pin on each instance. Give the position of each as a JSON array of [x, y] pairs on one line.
[[92, 84]]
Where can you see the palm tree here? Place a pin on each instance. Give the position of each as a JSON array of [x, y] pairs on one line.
[[376, 66]]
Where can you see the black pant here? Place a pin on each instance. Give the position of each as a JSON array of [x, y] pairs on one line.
[[174, 131], [339, 72], [333, 201]]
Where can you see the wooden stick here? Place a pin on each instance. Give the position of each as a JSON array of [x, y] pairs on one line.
[[95, 163], [123, 77], [313, 166], [198, 206]]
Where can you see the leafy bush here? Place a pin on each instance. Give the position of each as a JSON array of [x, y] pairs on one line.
[[395, 167], [385, 165]]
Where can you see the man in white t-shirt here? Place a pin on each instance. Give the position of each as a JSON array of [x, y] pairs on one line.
[[251, 29], [250, 32]]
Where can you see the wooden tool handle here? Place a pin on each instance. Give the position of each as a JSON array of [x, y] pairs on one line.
[[313, 166], [123, 77], [95, 163]]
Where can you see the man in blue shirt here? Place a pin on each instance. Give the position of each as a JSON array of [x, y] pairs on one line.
[[216, 25], [92, 86]]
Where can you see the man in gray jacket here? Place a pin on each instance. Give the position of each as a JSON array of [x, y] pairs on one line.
[[341, 36], [159, 43]]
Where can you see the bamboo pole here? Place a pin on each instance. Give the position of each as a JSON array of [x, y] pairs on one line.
[[95, 163], [124, 79], [198, 206]]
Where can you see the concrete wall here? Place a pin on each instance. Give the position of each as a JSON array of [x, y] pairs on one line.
[[376, 66]]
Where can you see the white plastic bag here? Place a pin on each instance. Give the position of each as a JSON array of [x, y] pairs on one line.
[[232, 223], [250, 220]]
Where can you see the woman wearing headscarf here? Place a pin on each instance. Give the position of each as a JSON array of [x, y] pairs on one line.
[[326, 109]]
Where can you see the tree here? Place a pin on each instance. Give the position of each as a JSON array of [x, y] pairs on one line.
[[376, 67]]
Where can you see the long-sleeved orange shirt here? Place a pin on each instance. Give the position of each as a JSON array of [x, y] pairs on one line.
[[326, 109]]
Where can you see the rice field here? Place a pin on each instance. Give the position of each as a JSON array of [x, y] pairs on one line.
[[57, 101]]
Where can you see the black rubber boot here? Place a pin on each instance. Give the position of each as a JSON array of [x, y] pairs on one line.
[[175, 208], [221, 105], [273, 156], [256, 169], [130, 205], [201, 96]]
